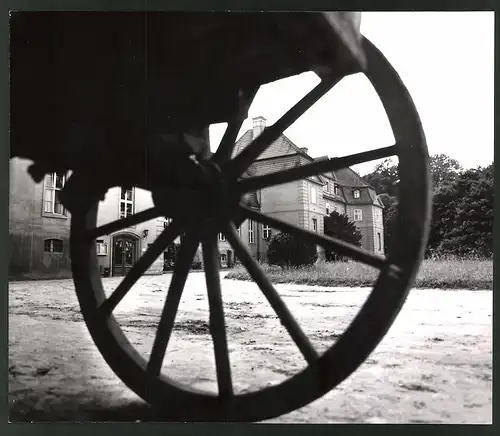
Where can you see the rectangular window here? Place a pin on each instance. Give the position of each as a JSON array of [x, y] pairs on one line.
[[379, 242], [239, 231], [313, 195], [358, 215], [53, 246], [251, 234], [335, 189], [102, 248], [126, 203], [315, 224], [266, 231], [222, 238], [327, 207], [54, 183], [356, 194]]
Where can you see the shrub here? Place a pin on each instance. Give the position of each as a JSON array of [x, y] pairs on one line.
[[339, 226], [288, 250], [170, 256], [196, 265]]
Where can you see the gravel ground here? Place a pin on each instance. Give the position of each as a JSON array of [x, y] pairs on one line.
[[433, 366]]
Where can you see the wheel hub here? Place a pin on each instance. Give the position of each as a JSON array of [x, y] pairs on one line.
[[207, 197]]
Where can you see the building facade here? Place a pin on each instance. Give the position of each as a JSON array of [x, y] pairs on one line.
[[306, 202], [39, 229], [39, 226]]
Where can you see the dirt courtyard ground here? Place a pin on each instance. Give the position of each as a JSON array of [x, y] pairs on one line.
[[433, 366]]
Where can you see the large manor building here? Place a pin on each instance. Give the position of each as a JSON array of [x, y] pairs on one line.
[[39, 225]]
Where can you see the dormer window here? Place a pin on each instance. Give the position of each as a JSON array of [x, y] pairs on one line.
[[356, 193]]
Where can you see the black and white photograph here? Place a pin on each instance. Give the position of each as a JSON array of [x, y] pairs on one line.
[[240, 216]]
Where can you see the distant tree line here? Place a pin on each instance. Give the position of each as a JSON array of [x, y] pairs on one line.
[[462, 213]]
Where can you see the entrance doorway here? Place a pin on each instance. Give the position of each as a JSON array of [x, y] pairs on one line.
[[124, 254]]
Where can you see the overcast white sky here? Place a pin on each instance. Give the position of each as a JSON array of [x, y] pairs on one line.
[[446, 60]]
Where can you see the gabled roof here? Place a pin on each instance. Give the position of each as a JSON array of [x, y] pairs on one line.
[[282, 146], [349, 177], [277, 164], [305, 159], [241, 143], [346, 178]]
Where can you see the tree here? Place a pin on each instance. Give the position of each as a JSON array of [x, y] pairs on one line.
[[444, 204], [390, 219], [338, 225], [462, 206], [444, 169], [289, 250], [387, 200], [462, 224], [384, 177]]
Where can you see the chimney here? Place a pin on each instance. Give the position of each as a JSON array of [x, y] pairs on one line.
[[259, 124], [304, 149]]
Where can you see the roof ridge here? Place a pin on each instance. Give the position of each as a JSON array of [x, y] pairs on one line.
[[295, 146]]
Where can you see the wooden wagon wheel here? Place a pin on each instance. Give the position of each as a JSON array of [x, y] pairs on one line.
[[224, 188]]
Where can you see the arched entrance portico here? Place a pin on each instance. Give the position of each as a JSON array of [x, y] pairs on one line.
[[125, 253]]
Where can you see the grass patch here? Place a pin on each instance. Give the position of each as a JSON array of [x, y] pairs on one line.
[[442, 274]]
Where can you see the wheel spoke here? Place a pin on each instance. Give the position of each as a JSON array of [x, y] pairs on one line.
[[259, 276], [341, 247], [228, 141], [217, 324], [128, 221], [290, 175], [244, 159], [140, 267], [182, 267]]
